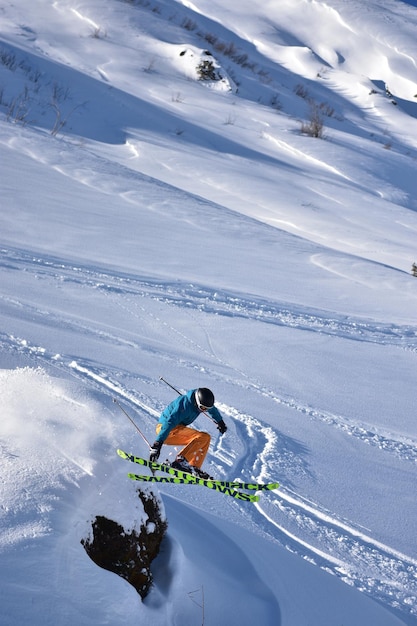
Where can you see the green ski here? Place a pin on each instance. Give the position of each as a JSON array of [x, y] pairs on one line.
[[224, 486], [194, 480]]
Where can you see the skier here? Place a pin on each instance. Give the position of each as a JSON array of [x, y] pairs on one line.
[[173, 429]]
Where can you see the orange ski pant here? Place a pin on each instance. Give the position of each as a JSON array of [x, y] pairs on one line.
[[195, 442]]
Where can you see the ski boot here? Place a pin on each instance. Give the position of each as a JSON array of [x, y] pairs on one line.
[[183, 465]]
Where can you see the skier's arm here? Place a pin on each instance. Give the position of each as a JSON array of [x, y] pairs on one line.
[[217, 416]]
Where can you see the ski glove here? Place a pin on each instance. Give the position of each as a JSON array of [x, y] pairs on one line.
[[222, 427], [155, 451]]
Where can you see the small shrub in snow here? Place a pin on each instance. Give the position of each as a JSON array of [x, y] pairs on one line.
[[203, 66], [301, 91], [414, 269], [98, 33], [199, 602], [8, 59], [314, 127], [206, 70], [326, 109], [275, 102], [189, 24], [230, 120], [18, 108], [177, 97]]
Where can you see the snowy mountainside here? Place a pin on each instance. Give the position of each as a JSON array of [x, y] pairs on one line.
[[156, 224]]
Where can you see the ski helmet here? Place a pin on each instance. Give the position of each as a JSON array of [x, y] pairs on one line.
[[204, 398]]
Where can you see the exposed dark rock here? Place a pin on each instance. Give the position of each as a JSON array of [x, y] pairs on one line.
[[128, 554]]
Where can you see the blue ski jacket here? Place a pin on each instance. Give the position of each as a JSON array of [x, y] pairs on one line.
[[182, 411]]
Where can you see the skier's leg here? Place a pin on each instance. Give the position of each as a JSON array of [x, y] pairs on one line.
[[195, 452], [195, 442]]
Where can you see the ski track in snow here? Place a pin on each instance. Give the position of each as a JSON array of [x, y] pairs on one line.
[[124, 288], [201, 298], [314, 533], [302, 526]]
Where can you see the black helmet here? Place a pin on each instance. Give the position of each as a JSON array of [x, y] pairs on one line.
[[204, 398]]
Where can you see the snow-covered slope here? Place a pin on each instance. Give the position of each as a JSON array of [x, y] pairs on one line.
[[156, 224]]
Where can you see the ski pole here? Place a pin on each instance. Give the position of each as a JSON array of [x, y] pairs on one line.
[[180, 394], [134, 424], [169, 385]]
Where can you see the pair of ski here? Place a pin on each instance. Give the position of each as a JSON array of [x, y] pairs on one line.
[[230, 488]]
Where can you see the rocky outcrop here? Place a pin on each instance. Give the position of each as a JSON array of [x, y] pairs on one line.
[[129, 554]]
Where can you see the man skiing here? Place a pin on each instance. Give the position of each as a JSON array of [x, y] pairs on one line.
[[173, 429]]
